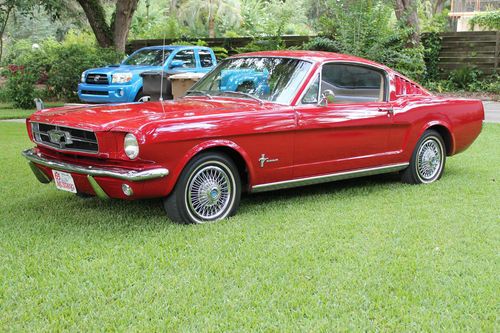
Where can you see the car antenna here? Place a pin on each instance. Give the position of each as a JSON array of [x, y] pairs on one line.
[[162, 66]]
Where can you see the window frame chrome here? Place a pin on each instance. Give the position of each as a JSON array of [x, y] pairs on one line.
[[381, 71]]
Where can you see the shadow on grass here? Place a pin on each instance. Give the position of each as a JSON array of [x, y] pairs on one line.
[[66, 210], [336, 187]]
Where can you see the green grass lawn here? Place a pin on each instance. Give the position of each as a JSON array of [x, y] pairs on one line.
[[361, 255], [7, 111]]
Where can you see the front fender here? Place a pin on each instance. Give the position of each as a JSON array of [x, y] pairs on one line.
[[203, 146]]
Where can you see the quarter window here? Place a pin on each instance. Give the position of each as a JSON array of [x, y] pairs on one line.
[[186, 56], [311, 95], [205, 58], [352, 83]]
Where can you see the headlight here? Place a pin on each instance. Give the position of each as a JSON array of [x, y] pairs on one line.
[[121, 78], [83, 77], [131, 146]]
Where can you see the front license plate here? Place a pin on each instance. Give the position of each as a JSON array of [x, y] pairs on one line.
[[64, 181]]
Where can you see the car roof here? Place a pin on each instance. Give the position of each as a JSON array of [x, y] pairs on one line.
[[173, 47], [315, 56]]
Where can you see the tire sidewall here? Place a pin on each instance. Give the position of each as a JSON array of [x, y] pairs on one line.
[[428, 135], [182, 186]]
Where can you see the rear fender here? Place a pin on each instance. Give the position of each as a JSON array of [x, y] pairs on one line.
[[443, 123]]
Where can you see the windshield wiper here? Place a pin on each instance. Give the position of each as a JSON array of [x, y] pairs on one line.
[[243, 94], [200, 92]]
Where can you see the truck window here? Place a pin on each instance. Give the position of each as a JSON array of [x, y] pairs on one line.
[[187, 56], [205, 58]]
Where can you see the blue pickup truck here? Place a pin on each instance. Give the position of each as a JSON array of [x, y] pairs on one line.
[[123, 82]]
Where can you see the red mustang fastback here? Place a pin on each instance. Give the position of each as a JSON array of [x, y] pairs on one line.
[[257, 122]]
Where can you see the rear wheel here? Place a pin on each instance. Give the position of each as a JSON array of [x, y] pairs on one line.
[[427, 161], [209, 189]]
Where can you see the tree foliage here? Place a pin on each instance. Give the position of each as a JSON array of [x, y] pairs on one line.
[[26, 7]]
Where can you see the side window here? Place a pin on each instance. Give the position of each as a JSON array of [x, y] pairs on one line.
[[186, 56], [311, 95], [205, 58], [353, 83]]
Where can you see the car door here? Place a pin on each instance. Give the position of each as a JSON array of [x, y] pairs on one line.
[[352, 129]]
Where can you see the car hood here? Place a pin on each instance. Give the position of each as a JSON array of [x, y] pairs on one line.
[[132, 116], [110, 70]]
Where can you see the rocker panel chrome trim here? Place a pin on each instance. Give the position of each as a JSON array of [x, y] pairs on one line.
[[329, 178]]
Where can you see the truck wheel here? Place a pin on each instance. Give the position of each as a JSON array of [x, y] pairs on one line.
[[427, 161], [208, 189], [141, 97]]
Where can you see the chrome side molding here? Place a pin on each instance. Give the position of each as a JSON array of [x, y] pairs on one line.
[[124, 174], [329, 177]]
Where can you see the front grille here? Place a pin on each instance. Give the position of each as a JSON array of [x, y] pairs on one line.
[[95, 92], [97, 79], [65, 138]]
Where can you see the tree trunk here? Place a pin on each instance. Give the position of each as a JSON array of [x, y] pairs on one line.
[[438, 6], [97, 20], [173, 6], [114, 34], [211, 19], [125, 10], [406, 13], [2, 28]]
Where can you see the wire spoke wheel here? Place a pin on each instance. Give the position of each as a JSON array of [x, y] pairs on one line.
[[429, 159], [209, 192]]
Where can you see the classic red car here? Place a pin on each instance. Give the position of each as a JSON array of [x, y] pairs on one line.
[[257, 122]]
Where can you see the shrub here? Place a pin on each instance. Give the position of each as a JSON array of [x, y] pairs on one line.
[[489, 20], [489, 84], [60, 64], [464, 77], [220, 52], [20, 87], [4, 97], [71, 61], [432, 47], [321, 44], [365, 29]]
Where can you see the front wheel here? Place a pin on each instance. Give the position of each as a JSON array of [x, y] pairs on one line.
[[427, 161], [140, 97], [209, 189]]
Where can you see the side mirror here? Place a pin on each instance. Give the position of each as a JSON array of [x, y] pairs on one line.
[[327, 97], [176, 64]]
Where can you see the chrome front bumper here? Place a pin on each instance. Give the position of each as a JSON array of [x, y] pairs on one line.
[[124, 174]]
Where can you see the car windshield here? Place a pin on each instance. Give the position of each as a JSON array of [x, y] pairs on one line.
[[147, 58], [265, 78]]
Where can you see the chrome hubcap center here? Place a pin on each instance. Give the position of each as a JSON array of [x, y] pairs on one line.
[[429, 159], [209, 192]]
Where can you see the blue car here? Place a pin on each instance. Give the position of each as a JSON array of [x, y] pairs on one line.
[[123, 83]]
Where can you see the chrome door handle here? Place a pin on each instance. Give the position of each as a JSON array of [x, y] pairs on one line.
[[389, 111]]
